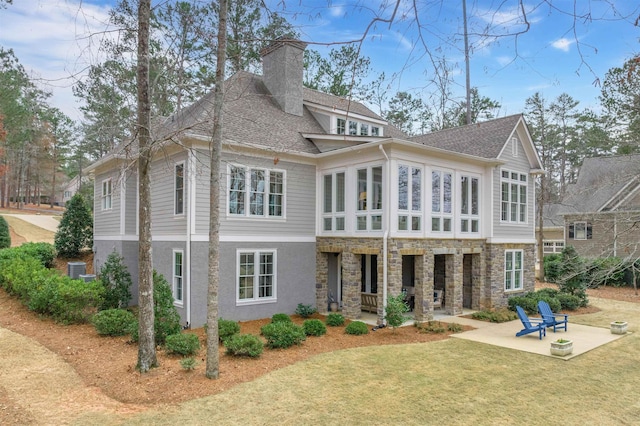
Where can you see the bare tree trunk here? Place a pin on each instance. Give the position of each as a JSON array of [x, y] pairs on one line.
[[146, 344], [213, 361]]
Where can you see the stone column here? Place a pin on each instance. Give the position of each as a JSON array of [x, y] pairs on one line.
[[351, 281], [322, 281], [423, 310], [453, 283]]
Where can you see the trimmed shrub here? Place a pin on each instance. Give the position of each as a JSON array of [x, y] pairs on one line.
[[244, 345], [76, 301], [116, 280], [281, 318], [167, 320], [283, 334], [182, 344], [5, 235], [314, 327], [395, 310], [455, 328], [497, 316], [569, 301], [226, 329], [357, 328], [113, 322], [75, 231], [188, 364], [529, 302], [305, 311], [44, 252], [334, 320], [434, 327]]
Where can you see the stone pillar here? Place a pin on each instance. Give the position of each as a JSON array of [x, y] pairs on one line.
[[351, 281], [322, 281], [453, 283], [478, 280], [423, 310]]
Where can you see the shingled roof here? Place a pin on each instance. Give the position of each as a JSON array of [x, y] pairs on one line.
[[485, 139], [601, 180]]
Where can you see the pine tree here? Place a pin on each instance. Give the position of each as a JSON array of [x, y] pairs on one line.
[[75, 231]]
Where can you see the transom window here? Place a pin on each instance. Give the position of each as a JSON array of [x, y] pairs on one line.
[[469, 204], [178, 276], [179, 188], [369, 199], [333, 202], [256, 274], [441, 201], [514, 197], [409, 198], [512, 270], [106, 194], [256, 192]]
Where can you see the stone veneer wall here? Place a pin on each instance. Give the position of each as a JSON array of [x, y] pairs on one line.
[[487, 272]]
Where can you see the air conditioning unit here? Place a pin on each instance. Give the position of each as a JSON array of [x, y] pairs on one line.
[[75, 269], [87, 278]]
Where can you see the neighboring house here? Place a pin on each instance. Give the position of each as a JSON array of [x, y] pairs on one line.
[[72, 187], [601, 210], [321, 198], [552, 229]]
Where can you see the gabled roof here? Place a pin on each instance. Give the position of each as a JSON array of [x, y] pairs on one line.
[[550, 215], [485, 139], [603, 184]]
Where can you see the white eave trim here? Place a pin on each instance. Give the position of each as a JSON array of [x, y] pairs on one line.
[[335, 111]]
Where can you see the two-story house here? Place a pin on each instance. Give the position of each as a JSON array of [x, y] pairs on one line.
[[323, 199]]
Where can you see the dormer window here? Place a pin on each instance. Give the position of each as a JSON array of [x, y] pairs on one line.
[[350, 127], [341, 126], [375, 131], [353, 127], [364, 129]]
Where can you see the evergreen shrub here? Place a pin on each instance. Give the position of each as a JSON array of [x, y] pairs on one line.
[[334, 320], [226, 329], [113, 322], [182, 344], [283, 334], [244, 345], [357, 328], [5, 235], [314, 327], [116, 280], [75, 231]]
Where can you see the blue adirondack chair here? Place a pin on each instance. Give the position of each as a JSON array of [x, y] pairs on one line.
[[530, 325], [550, 319]]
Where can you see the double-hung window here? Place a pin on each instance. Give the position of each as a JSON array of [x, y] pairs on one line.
[[106, 194], [441, 201], [513, 197], [179, 189], [469, 204], [580, 231], [512, 270], [341, 126], [178, 276], [255, 192], [333, 210], [256, 274], [369, 199], [409, 198]]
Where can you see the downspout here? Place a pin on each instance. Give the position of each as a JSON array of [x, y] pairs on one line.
[[191, 203], [385, 237]]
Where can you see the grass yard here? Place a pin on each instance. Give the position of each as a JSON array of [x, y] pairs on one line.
[[447, 382]]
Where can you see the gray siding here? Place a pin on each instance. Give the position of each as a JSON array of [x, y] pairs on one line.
[[324, 120], [164, 221], [131, 203], [107, 222], [519, 163], [299, 200]]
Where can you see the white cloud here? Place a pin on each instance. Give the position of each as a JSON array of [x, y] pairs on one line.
[[337, 11], [55, 41], [563, 44]]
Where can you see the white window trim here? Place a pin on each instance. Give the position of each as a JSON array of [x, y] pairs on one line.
[[247, 193], [333, 214], [409, 212], [107, 196], [256, 300], [575, 230], [469, 215], [184, 192], [520, 184], [513, 270], [358, 128], [368, 213], [442, 215], [174, 287]]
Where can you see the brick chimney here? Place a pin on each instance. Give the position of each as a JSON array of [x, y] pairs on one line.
[[282, 69]]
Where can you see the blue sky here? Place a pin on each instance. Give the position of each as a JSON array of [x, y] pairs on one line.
[[57, 39]]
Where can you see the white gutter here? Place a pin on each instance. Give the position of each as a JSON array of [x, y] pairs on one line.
[[191, 174], [385, 237]]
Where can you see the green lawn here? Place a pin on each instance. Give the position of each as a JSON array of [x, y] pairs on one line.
[[448, 382]]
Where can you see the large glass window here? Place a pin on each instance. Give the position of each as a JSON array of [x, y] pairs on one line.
[[256, 275], [512, 270], [333, 204], [179, 188], [266, 192], [106, 194], [513, 197], [369, 199], [178, 276], [469, 204], [441, 201], [341, 125], [409, 198]]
